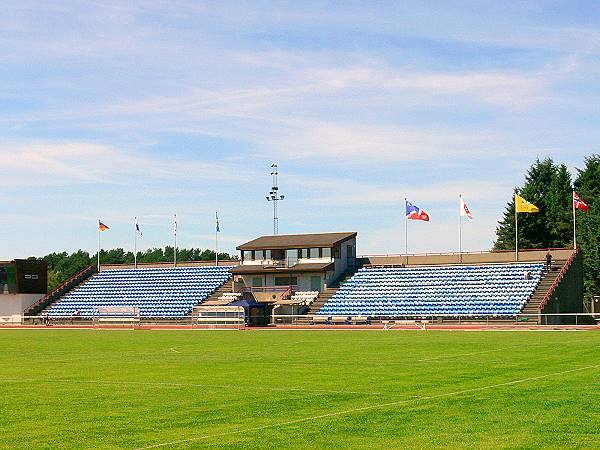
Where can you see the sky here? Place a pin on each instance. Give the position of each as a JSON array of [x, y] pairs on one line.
[[150, 108]]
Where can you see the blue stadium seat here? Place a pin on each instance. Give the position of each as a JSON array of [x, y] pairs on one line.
[[158, 293], [497, 290]]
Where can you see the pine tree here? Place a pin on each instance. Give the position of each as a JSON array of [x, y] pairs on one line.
[[587, 185], [533, 228], [559, 209], [505, 231]]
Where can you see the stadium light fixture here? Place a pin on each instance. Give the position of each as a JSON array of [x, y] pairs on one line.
[[275, 197]]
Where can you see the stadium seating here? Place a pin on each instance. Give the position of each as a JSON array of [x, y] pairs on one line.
[[158, 293], [304, 297], [230, 297], [499, 290]]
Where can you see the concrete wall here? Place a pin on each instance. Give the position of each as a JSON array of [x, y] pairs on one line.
[[16, 304], [341, 264], [467, 258], [568, 295]]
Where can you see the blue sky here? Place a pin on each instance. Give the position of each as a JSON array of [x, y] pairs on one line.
[[149, 108]]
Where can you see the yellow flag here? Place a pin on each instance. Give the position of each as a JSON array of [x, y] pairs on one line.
[[524, 206]]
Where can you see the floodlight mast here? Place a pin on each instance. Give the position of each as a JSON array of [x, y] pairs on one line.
[[275, 197]]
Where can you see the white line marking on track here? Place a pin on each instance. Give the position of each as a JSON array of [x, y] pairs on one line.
[[369, 407], [174, 350], [173, 384]]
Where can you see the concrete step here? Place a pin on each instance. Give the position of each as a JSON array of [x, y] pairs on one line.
[[531, 307]]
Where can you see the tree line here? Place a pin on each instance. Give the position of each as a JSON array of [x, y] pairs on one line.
[[62, 266], [549, 186]]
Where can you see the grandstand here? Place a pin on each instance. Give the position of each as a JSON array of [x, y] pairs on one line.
[[450, 291], [317, 278], [157, 292]]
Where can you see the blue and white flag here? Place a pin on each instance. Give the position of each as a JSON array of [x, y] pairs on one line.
[[137, 227], [217, 222]]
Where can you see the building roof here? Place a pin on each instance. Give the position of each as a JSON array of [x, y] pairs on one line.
[[285, 241], [250, 269]]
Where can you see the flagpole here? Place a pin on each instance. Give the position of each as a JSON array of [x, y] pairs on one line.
[[98, 245], [516, 231], [460, 229], [574, 222], [216, 238], [175, 240], [405, 232], [135, 244]]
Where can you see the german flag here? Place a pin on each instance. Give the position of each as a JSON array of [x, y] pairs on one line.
[[102, 227]]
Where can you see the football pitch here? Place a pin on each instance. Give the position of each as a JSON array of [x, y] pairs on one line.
[[367, 389]]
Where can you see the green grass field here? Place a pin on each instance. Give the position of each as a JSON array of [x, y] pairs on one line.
[[299, 389]]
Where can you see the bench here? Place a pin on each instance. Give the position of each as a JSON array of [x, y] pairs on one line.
[[320, 320], [359, 319], [339, 320]]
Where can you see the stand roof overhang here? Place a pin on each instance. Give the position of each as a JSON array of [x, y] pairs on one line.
[[291, 241], [251, 269]]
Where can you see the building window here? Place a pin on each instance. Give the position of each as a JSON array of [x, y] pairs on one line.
[[277, 254], [313, 253], [257, 282], [248, 255], [336, 252], [267, 254], [326, 252], [291, 257], [303, 253], [286, 281]]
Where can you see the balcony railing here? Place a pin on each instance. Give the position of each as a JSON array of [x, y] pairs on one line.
[[292, 288]]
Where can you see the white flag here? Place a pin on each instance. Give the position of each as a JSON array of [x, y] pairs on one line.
[[175, 224], [464, 210], [137, 227]]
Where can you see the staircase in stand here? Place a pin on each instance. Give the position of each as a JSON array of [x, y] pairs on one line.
[[532, 306], [223, 289], [323, 298], [327, 293]]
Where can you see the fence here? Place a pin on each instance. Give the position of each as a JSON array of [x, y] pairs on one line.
[[238, 318]]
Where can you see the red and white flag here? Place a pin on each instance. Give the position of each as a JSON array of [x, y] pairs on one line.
[[464, 210], [578, 203]]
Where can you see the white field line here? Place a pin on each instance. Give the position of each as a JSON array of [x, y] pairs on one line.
[[171, 384], [369, 407]]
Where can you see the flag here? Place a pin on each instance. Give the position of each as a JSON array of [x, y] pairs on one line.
[[415, 213], [464, 210], [102, 227], [217, 222], [578, 203], [524, 206], [175, 224], [137, 227]]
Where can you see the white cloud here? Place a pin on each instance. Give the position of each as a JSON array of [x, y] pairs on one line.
[[76, 162], [347, 192]]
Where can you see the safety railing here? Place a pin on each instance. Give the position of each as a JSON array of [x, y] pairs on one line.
[[492, 320]]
